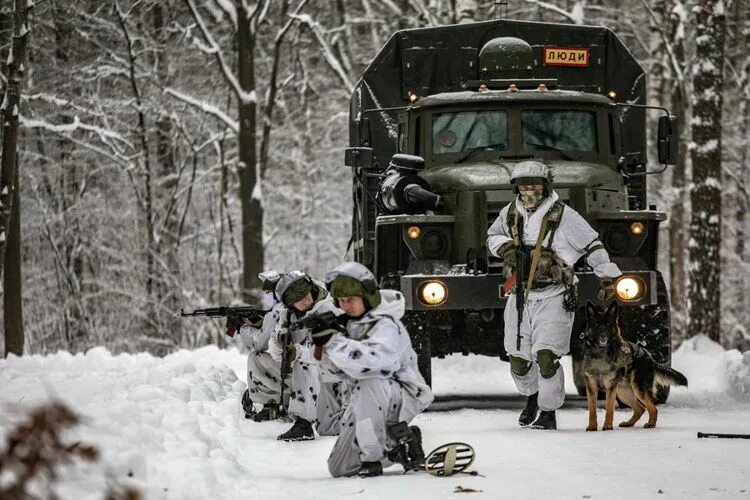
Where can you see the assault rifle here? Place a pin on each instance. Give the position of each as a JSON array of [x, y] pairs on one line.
[[317, 323], [520, 268], [250, 313]]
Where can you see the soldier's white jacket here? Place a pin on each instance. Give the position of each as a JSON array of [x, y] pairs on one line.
[[377, 346], [301, 339], [257, 338], [573, 238]]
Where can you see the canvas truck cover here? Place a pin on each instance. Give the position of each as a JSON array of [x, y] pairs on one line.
[[427, 61]]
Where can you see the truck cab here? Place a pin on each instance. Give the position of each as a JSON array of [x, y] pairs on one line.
[[468, 122]]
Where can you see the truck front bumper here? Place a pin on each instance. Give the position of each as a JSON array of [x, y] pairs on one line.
[[485, 291]]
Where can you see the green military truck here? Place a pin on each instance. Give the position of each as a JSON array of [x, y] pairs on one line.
[[459, 106]]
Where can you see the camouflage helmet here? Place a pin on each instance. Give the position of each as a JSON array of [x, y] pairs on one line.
[[352, 279], [293, 287], [268, 280], [531, 172]]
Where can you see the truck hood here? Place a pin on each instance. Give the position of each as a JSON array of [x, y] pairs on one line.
[[487, 176]]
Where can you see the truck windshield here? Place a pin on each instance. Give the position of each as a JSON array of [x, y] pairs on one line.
[[469, 130], [551, 130]]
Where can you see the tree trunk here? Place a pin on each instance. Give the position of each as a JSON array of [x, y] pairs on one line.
[[12, 296], [466, 11], [250, 189], [168, 277], [9, 197], [704, 293], [678, 213]]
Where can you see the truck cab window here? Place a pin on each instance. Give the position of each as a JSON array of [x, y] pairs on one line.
[[561, 130], [462, 131]]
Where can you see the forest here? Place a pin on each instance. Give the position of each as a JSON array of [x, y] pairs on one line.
[[158, 154]]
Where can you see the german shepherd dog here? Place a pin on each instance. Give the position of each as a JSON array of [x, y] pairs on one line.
[[621, 369]]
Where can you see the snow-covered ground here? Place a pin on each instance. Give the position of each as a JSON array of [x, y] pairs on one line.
[[173, 428]]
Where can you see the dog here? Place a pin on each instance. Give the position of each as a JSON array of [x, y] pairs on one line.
[[622, 369]]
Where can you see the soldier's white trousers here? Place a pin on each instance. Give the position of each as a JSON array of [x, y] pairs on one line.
[[300, 391], [331, 404], [374, 404], [545, 325]]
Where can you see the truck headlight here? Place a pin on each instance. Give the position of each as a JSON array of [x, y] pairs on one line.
[[630, 288], [432, 293]]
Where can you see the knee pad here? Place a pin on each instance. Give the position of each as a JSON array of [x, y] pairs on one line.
[[519, 366], [548, 363]]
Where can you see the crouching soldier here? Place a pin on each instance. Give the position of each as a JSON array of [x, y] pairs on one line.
[[291, 349], [262, 385], [371, 352], [552, 237]]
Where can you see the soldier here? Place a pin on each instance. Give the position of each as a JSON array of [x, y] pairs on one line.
[[554, 237], [300, 295], [255, 335], [372, 353]]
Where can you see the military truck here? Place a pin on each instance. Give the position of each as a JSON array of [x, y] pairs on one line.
[[459, 106]]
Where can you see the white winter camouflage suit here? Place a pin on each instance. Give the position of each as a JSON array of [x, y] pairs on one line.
[[375, 359], [546, 324], [264, 369]]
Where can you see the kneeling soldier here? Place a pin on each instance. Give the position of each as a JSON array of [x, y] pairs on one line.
[[300, 296], [372, 353]]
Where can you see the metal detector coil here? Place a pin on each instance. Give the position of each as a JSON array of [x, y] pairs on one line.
[[449, 459]]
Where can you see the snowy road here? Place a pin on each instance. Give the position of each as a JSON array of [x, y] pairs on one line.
[[175, 426]]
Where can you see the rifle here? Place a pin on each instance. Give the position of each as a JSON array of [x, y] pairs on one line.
[[520, 267], [250, 313], [317, 323], [284, 369]]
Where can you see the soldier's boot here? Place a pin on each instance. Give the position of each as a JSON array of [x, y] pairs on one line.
[[270, 411], [370, 469], [247, 405], [528, 415], [408, 450], [302, 430], [546, 421]]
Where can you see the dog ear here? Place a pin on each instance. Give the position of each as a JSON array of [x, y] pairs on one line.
[[611, 311], [591, 310]]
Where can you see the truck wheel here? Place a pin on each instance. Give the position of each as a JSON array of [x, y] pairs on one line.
[[416, 324]]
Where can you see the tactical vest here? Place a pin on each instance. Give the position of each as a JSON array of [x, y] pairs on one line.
[[549, 269]]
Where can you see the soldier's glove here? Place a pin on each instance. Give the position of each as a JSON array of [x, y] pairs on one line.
[[606, 292], [321, 338], [234, 323], [508, 253]]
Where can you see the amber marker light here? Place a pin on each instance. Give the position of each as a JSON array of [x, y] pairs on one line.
[[629, 288], [512, 88], [414, 232], [612, 94], [413, 97], [637, 228], [433, 293]]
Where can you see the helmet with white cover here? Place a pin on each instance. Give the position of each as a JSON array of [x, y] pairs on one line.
[[531, 172], [352, 279], [294, 286]]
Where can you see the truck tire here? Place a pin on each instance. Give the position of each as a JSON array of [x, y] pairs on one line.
[[421, 340], [648, 326]]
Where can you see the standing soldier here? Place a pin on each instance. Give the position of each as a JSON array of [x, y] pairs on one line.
[[255, 335], [291, 350], [372, 354], [552, 237]]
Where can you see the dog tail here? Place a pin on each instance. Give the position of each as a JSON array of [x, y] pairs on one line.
[[667, 376]]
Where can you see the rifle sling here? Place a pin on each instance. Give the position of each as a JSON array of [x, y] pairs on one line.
[[535, 255]]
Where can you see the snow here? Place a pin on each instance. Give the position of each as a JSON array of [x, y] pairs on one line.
[[175, 426]]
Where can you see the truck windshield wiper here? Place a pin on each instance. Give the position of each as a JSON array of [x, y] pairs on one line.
[[470, 152], [545, 147]]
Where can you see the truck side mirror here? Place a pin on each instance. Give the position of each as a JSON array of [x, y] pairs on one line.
[[358, 157], [668, 137]]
